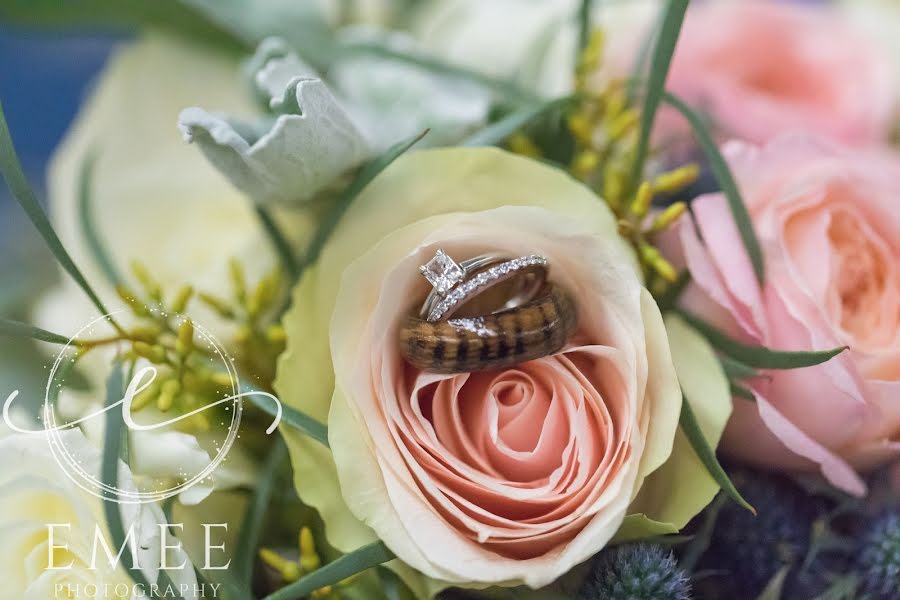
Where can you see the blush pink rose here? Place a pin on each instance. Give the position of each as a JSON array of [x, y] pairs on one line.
[[763, 67], [828, 221]]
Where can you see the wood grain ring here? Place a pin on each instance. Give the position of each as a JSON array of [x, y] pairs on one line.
[[537, 328]]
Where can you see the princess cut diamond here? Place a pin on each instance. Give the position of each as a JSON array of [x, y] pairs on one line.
[[442, 272]]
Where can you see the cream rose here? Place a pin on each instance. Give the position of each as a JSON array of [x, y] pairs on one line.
[[503, 477], [36, 494]]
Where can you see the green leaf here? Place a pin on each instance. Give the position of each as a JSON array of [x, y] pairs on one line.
[[726, 181], [735, 369], [642, 58], [86, 220], [12, 172], [114, 439], [255, 516], [350, 564], [844, 588], [115, 445], [759, 357], [663, 51], [584, 25], [17, 329], [495, 133], [707, 455], [290, 416], [739, 391], [279, 242], [698, 545], [337, 209], [775, 587]]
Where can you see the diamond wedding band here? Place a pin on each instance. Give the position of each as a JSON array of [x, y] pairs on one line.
[[454, 284]]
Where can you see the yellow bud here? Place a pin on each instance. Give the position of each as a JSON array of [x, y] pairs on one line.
[[237, 279], [309, 558], [623, 123], [585, 163], [581, 127], [263, 294], [655, 261], [671, 214], [166, 398], [522, 144], [146, 333], [171, 386], [243, 334], [185, 342], [289, 570], [642, 200], [217, 304], [198, 422], [616, 102], [147, 282], [592, 54], [137, 307], [614, 187], [165, 401], [147, 396], [179, 303], [154, 353], [276, 334], [677, 179], [625, 227], [221, 379]]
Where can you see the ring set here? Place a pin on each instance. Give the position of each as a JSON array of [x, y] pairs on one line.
[[487, 312]]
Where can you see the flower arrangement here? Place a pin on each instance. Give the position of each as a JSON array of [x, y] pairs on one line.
[[449, 298]]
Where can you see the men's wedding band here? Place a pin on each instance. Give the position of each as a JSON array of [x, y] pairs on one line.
[[538, 328]]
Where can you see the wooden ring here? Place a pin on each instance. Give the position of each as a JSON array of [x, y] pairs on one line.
[[532, 330]]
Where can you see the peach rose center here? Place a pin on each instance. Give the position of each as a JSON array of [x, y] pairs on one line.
[[861, 276], [515, 459]]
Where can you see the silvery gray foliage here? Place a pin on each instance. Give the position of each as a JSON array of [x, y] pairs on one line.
[[318, 133], [391, 99], [272, 67], [287, 159]]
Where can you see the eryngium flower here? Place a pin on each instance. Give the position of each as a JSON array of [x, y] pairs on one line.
[[879, 559], [748, 549], [636, 572]]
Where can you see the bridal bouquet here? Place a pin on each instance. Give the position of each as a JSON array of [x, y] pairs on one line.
[[397, 299]]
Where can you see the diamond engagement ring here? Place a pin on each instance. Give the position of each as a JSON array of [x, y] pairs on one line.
[[456, 284]]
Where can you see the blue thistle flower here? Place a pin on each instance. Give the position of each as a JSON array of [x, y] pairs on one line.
[[879, 559], [635, 572], [749, 550]]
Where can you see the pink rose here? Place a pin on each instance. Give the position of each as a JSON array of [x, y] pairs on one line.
[[829, 224], [761, 68]]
